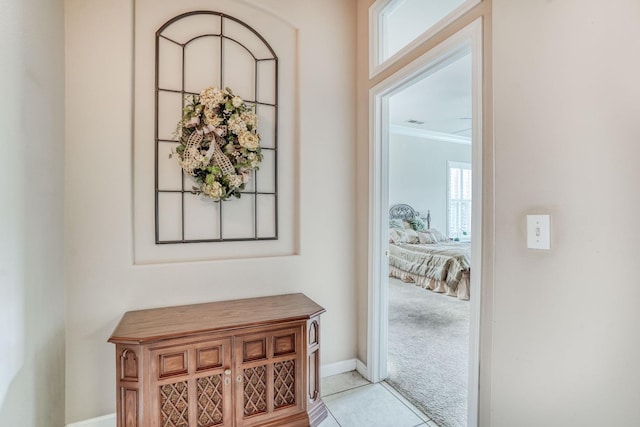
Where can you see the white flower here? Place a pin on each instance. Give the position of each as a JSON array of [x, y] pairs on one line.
[[211, 97], [236, 101], [249, 140], [213, 190], [250, 118], [254, 160], [235, 181], [211, 118], [236, 124]]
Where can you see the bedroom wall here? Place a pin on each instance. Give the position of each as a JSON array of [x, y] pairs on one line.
[[31, 213], [103, 283], [418, 174]]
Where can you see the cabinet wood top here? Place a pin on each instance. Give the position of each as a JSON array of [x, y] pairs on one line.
[[171, 322]]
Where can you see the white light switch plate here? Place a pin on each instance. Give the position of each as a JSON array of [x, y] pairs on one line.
[[538, 232]]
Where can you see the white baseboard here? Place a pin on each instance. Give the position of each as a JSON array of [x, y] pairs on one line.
[[325, 371], [105, 421], [337, 368]]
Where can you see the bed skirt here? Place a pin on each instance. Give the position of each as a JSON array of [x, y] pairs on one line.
[[461, 291]]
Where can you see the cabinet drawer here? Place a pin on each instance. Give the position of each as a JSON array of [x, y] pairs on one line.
[[173, 363]]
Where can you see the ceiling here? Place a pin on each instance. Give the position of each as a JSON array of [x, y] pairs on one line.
[[441, 101]]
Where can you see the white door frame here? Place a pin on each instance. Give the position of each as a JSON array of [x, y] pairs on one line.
[[469, 39]]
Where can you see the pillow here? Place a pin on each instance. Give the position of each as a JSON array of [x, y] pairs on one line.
[[426, 238], [437, 234], [412, 236], [407, 225], [396, 223], [417, 224], [397, 235]]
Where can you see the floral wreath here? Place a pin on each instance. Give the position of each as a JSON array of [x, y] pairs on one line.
[[219, 144]]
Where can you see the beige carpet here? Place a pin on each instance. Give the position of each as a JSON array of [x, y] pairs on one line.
[[428, 351]]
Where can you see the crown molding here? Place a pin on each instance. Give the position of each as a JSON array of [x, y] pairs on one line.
[[429, 134]]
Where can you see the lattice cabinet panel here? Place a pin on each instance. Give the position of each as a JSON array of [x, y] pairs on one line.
[[255, 390], [174, 405], [284, 384], [244, 363], [210, 404]]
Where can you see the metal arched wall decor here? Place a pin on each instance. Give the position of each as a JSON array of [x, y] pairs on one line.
[[193, 51]]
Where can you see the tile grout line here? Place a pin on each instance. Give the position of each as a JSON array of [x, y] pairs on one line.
[[425, 420], [338, 392], [403, 400], [385, 387], [348, 389], [334, 417]]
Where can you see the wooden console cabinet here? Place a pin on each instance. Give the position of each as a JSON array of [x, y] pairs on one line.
[[252, 362]]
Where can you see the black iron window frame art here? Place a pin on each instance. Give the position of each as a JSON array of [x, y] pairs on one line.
[[183, 93]]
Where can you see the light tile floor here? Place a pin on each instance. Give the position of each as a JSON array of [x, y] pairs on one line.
[[354, 402]]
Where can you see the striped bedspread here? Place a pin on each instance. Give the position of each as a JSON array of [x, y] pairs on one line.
[[445, 262]]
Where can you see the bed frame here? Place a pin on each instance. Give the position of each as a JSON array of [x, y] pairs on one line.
[[403, 211], [407, 273]]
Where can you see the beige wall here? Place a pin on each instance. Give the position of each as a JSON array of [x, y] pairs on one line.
[[567, 102], [418, 169], [31, 213], [560, 341], [564, 343], [103, 283], [282, 36]]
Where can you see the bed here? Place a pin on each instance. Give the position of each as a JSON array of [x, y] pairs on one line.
[[430, 261]]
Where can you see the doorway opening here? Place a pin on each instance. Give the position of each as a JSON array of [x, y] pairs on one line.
[[430, 178], [426, 165]]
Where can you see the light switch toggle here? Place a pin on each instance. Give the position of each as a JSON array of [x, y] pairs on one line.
[[538, 232]]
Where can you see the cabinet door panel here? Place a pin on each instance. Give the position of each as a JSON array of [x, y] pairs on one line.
[[210, 395], [270, 387], [212, 388], [191, 384]]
